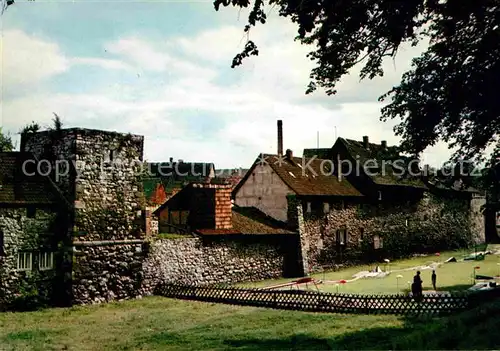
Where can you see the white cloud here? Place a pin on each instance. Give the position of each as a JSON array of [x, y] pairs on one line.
[[271, 86], [104, 63], [26, 59]]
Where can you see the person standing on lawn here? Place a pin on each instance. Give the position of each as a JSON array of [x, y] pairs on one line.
[[433, 277], [417, 286]]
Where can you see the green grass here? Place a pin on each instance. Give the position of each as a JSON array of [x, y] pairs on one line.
[[450, 276], [157, 323]]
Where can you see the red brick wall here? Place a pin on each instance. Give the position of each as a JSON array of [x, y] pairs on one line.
[[223, 212], [215, 203]]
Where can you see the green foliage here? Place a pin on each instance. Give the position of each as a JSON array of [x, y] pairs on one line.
[[32, 127], [31, 295], [6, 144], [449, 93]]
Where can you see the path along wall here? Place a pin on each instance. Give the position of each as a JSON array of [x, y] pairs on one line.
[[220, 259], [349, 234]]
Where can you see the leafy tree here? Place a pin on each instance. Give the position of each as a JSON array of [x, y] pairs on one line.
[[6, 144], [450, 92]]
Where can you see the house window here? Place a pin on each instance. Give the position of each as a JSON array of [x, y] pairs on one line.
[[31, 212], [361, 234], [380, 196], [46, 261], [24, 261], [326, 207], [308, 207], [342, 236]]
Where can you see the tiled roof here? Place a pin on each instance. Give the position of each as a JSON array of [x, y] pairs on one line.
[[18, 187], [251, 221], [319, 153], [231, 172], [386, 174], [310, 180]]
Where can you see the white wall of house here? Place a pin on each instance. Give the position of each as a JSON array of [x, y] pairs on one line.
[[266, 191]]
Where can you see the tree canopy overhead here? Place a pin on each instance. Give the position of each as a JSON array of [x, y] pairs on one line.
[[450, 92]]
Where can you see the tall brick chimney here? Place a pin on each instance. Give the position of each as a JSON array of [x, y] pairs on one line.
[[211, 206], [223, 207], [384, 144], [280, 137]]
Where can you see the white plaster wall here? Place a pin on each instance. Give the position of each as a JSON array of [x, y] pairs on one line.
[[266, 191]]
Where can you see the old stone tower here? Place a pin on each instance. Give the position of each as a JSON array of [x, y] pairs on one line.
[[99, 175]]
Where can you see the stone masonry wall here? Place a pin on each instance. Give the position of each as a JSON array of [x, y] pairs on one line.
[[107, 271], [431, 225], [477, 218], [193, 261], [110, 218], [105, 196], [109, 196], [31, 235]]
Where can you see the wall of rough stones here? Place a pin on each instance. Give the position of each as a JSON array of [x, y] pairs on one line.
[[104, 191], [30, 235], [107, 271], [478, 218], [201, 262], [431, 225]]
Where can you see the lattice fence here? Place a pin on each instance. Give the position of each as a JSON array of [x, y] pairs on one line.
[[312, 301]]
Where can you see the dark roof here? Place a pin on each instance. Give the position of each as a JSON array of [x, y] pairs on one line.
[[231, 172], [24, 187], [386, 173], [180, 170], [319, 153], [88, 131], [303, 181], [250, 221]]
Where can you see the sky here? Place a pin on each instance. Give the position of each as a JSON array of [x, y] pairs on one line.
[[162, 69]]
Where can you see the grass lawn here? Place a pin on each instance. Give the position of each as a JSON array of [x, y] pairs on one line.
[[157, 323], [450, 276]]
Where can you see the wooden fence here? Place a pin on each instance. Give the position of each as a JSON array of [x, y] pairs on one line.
[[311, 301]]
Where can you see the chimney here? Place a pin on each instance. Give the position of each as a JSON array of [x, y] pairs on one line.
[[384, 144], [280, 137], [289, 154], [211, 206], [223, 207], [366, 144]]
